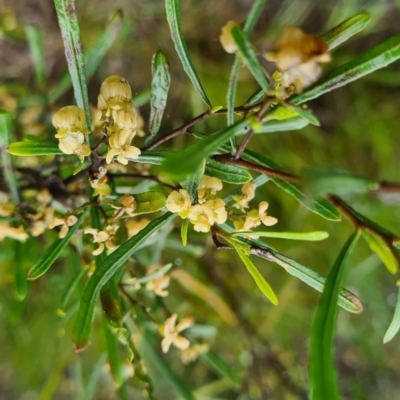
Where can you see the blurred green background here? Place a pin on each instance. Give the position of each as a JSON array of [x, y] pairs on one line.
[[269, 347]]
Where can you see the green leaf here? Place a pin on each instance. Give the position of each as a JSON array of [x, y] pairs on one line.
[[155, 157], [70, 33], [347, 300], [322, 371], [193, 182], [345, 30], [35, 43], [71, 286], [290, 124], [245, 49], [387, 254], [159, 92], [324, 180], [93, 57], [84, 319], [186, 162], [220, 367], [227, 173], [374, 59], [312, 119], [25, 149], [395, 324], [6, 137], [184, 231], [147, 278], [173, 11], [54, 251], [20, 283], [262, 284], [113, 355], [149, 202], [312, 236], [94, 377]]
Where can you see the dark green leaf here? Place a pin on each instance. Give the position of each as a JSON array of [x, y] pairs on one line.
[[193, 182], [156, 157], [71, 286], [70, 33], [246, 51], [322, 371], [84, 319], [159, 92], [374, 59], [395, 324], [227, 173], [113, 355], [186, 162], [93, 57], [25, 149], [149, 202], [172, 8], [54, 251]]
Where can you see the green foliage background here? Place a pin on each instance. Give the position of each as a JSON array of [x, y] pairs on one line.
[[359, 132]]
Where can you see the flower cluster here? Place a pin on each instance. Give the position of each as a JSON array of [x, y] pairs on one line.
[[120, 117], [70, 123], [207, 212], [105, 237]]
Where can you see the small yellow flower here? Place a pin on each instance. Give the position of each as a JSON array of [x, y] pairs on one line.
[[99, 184], [70, 120], [297, 55], [242, 200], [11, 232], [135, 226], [65, 223], [178, 201], [226, 37], [159, 284], [102, 237], [128, 206], [121, 149], [254, 218], [191, 353], [218, 209], [171, 333], [202, 216], [208, 188]]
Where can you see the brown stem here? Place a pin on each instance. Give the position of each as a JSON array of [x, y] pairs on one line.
[[243, 144], [228, 159], [389, 187]]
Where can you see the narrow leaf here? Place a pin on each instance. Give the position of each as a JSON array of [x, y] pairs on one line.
[[113, 356], [184, 231], [20, 283], [54, 251], [25, 149], [312, 236], [71, 286], [322, 371], [374, 59], [6, 137], [149, 202], [94, 377], [395, 324], [218, 365], [84, 319], [173, 11], [159, 92], [227, 173], [290, 124], [147, 278], [70, 33], [93, 57], [36, 48], [312, 119], [345, 30], [246, 51], [193, 182], [186, 162]]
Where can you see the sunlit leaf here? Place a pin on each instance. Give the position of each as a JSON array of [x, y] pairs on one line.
[[54, 251], [395, 324], [227, 173], [173, 11], [322, 370], [311, 236], [303, 113], [149, 202], [25, 149]]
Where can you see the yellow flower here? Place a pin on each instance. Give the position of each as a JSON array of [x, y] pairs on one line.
[[242, 200], [226, 37], [171, 333], [14, 233], [208, 187], [191, 353], [159, 284], [99, 184], [74, 144], [66, 224], [70, 120], [6, 208], [254, 218], [135, 226], [297, 55], [128, 206], [121, 148], [202, 216], [218, 209], [102, 237], [179, 202]]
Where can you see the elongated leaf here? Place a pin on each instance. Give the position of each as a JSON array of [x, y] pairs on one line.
[[290, 124], [54, 251], [346, 30], [20, 283], [218, 365], [374, 59], [347, 300], [248, 55], [113, 356], [186, 162], [84, 319], [313, 236], [70, 289], [94, 377], [324, 180], [70, 33], [26, 149], [312, 119], [147, 278], [173, 11], [93, 56], [159, 92], [227, 173], [6, 137], [184, 231], [149, 202], [156, 157], [395, 324], [35, 43], [193, 182], [322, 371]]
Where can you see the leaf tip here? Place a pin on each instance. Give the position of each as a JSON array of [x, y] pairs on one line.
[[79, 347]]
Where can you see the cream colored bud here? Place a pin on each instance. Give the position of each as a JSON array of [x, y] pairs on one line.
[[116, 92], [226, 37], [70, 119]]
